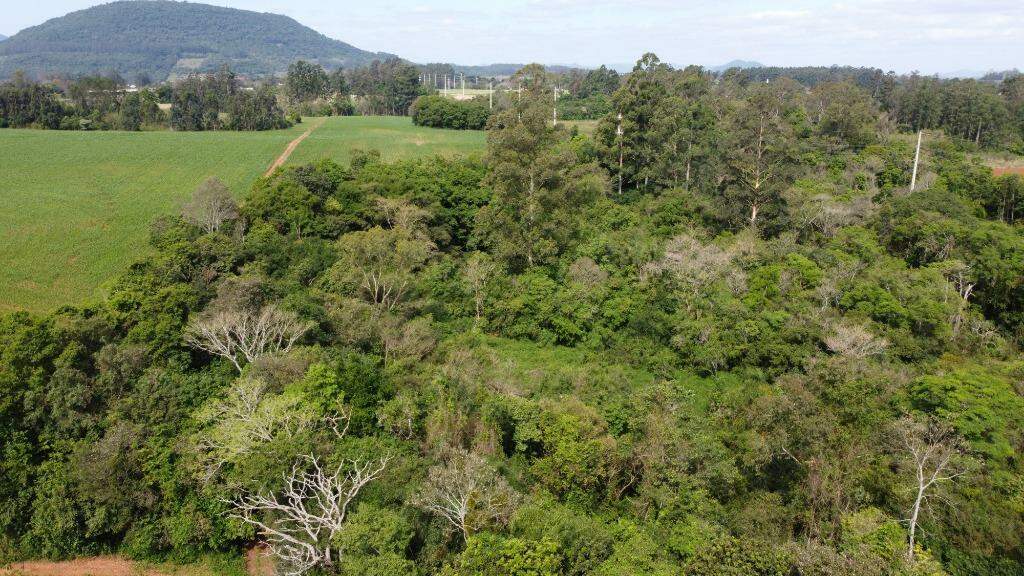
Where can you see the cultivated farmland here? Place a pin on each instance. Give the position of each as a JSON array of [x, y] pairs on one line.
[[396, 138], [76, 206]]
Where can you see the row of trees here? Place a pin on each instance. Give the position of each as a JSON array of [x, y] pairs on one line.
[[383, 88], [198, 102], [89, 103], [216, 102], [984, 113], [987, 111]]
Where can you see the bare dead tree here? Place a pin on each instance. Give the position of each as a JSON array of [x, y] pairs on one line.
[[400, 339], [301, 523], [400, 213], [695, 264], [243, 334], [933, 452], [468, 493], [210, 206], [854, 341]]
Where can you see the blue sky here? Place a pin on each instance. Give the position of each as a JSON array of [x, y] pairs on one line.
[[902, 35]]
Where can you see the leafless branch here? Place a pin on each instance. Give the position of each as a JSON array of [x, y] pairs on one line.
[[301, 522], [245, 335]]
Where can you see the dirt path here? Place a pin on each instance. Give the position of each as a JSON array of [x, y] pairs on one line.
[[313, 125], [257, 563], [98, 566]]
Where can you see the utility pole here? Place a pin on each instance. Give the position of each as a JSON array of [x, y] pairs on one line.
[[619, 134], [490, 95], [554, 110], [463, 83], [917, 158]]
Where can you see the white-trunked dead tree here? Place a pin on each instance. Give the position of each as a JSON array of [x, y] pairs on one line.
[[934, 453], [468, 493], [246, 334], [301, 522]]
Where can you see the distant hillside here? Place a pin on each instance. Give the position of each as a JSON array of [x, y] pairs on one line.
[[2, 37], [508, 69], [163, 38], [742, 64]]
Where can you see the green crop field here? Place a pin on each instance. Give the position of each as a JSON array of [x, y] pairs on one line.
[[75, 207], [395, 137]]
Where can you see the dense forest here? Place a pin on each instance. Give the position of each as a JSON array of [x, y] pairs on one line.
[[723, 335], [161, 38]]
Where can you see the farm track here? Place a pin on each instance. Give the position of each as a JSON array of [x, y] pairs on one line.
[[280, 161]]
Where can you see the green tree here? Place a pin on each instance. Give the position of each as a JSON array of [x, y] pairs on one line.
[[761, 150], [538, 184], [306, 81]]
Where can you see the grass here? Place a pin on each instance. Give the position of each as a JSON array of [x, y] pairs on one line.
[[75, 207], [586, 127], [396, 138]]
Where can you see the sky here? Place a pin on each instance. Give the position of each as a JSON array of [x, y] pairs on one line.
[[931, 36]]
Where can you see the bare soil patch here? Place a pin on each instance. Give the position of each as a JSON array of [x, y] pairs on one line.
[[258, 562], [1002, 170], [313, 125], [98, 566]]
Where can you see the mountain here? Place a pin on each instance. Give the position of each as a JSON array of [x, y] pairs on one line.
[[736, 64], [2, 37], [498, 70], [963, 73], [162, 38]]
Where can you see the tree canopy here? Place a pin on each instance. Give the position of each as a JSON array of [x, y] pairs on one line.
[[762, 354]]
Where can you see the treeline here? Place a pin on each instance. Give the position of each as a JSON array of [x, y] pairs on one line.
[[216, 102], [198, 102], [382, 88], [89, 103], [989, 112], [985, 113]]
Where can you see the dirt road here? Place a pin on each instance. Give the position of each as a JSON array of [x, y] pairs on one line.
[[313, 125]]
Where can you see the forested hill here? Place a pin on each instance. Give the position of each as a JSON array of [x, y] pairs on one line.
[[160, 38]]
